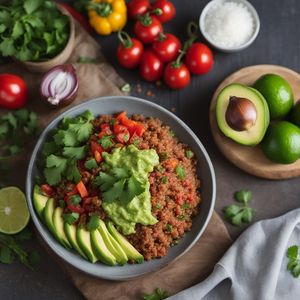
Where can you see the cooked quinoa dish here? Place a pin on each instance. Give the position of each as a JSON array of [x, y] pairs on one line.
[[117, 189]]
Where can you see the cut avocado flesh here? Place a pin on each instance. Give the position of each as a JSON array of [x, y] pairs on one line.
[[48, 216], [39, 200], [250, 136], [83, 238], [130, 251], [112, 245], [58, 223], [101, 250], [70, 231]]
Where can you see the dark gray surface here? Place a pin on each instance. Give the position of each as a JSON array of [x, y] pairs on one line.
[[278, 43]]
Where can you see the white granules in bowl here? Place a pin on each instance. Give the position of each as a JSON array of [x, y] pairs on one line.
[[229, 24]]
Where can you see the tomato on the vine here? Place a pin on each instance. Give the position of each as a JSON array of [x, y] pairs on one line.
[[13, 91], [199, 59], [166, 46], [151, 67], [168, 10], [137, 8], [129, 51], [177, 76]]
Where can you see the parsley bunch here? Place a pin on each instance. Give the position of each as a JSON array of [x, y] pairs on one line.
[[68, 146], [32, 30], [238, 214], [15, 129], [294, 262]]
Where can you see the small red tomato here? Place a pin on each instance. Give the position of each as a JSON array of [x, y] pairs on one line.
[[151, 67], [129, 51], [168, 10], [147, 29], [137, 7], [177, 76], [13, 91], [166, 47], [199, 59]]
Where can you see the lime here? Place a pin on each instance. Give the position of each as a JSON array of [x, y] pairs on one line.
[[14, 214], [295, 114], [281, 143], [278, 94]]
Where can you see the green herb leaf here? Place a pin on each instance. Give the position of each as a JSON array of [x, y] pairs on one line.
[[237, 214], [70, 218], [163, 156], [189, 154], [158, 294], [32, 5], [72, 172], [169, 227], [185, 205], [294, 262], [75, 200], [180, 172], [126, 88], [82, 129], [74, 152], [106, 141], [18, 30], [93, 223], [243, 196], [6, 256], [62, 203], [172, 133], [90, 164], [55, 166], [164, 180], [158, 206]]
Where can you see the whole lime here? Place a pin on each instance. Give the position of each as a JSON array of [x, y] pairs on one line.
[[278, 94], [295, 114], [281, 143]]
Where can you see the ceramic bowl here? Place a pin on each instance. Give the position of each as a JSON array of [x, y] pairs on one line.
[[205, 171]]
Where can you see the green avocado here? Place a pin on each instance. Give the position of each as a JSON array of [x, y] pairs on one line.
[[130, 251], [242, 114], [39, 200], [48, 216], [278, 94], [70, 231], [83, 238], [101, 249], [58, 224], [112, 245]]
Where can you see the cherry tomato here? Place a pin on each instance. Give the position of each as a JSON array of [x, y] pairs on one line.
[[199, 59], [13, 91], [129, 51], [166, 47], [177, 76], [151, 67], [168, 10], [137, 7], [147, 29]]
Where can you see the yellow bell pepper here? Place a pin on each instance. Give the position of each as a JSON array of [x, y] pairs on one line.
[[107, 16]]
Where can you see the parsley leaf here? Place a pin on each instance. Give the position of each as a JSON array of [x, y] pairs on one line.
[[106, 141], [158, 294], [90, 164], [93, 223], [70, 218], [74, 152], [75, 200], [55, 166], [294, 262], [180, 172], [82, 129], [189, 154], [31, 5], [243, 196]]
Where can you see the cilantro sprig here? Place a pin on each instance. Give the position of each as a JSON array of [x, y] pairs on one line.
[[237, 214], [158, 294], [294, 261]]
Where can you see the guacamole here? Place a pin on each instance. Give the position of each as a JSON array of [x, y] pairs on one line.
[[125, 186]]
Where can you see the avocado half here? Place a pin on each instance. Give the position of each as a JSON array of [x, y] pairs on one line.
[[248, 135]]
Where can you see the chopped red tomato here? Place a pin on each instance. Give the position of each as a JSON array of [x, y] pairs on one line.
[[82, 189], [119, 128], [105, 130], [132, 126], [73, 192], [123, 137], [96, 147], [77, 209], [47, 189]]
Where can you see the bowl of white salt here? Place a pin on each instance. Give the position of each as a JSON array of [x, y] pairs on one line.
[[229, 25]]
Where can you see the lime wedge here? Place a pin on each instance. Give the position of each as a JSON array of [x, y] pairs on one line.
[[14, 214]]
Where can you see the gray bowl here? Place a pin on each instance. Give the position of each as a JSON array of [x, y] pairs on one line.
[[205, 171]]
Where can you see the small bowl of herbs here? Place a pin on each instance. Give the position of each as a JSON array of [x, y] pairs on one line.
[[39, 34]]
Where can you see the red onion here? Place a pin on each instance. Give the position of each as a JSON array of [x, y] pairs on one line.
[[59, 85]]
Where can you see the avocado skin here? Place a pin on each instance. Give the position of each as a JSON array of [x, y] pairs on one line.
[[39, 201]]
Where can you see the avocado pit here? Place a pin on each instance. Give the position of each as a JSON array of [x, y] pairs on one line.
[[241, 113]]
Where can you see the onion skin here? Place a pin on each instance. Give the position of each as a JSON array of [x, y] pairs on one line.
[[45, 85]]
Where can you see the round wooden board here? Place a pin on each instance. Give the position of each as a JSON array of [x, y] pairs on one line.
[[252, 159]]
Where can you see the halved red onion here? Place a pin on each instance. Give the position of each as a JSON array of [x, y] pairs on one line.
[[59, 85]]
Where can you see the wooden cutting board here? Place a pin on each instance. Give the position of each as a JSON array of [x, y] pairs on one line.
[[252, 159]]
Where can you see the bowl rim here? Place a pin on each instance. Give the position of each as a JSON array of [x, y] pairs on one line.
[[56, 247], [252, 11]]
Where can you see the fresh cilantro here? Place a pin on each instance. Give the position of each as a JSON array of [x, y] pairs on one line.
[[93, 223], [294, 261], [62, 203], [86, 60], [243, 196], [82, 129], [185, 205], [180, 172], [158, 206], [70, 218], [169, 227], [189, 154], [113, 121], [75, 200], [90, 164], [181, 217], [72, 172], [74, 152], [164, 179], [163, 156], [106, 141], [158, 294], [172, 133], [55, 166]]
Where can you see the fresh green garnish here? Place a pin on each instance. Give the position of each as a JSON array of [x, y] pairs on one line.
[[164, 179], [185, 205], [180, 172], [136, 142], [93, 223], [163, 156], [113, 121], [169, 227], [70, 218], [90, 164], [106, 141], [75, 200], [181, 217], [32, 30], [238, 214], [86, 60], [62, 203], [158, 294], [126, 88], [294, 261], [67, 146], [189, 154], [172, 133], [158, 206]]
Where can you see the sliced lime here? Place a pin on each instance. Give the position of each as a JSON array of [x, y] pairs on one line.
[[14, 214]]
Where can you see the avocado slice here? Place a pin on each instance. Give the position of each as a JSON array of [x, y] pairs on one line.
[[70, 231], [112, 245], [130, 251], [48, 216], [58, 223], [83, 238], [39, 200], [101, 249], [242, 114]]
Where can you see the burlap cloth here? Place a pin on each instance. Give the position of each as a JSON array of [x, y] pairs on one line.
[[100, 79]]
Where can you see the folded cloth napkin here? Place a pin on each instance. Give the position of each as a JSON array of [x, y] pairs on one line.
[[255, 266]]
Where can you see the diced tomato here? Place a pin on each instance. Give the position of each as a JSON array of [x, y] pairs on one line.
[[119, 128], [139, 129], [105, 130], [73, 208], [98, 156], [82, 189], [121, 116], [122, 137], [73, 192], [96, 147], [47, 189], [123, 119], [133, 138], [105, 126]]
